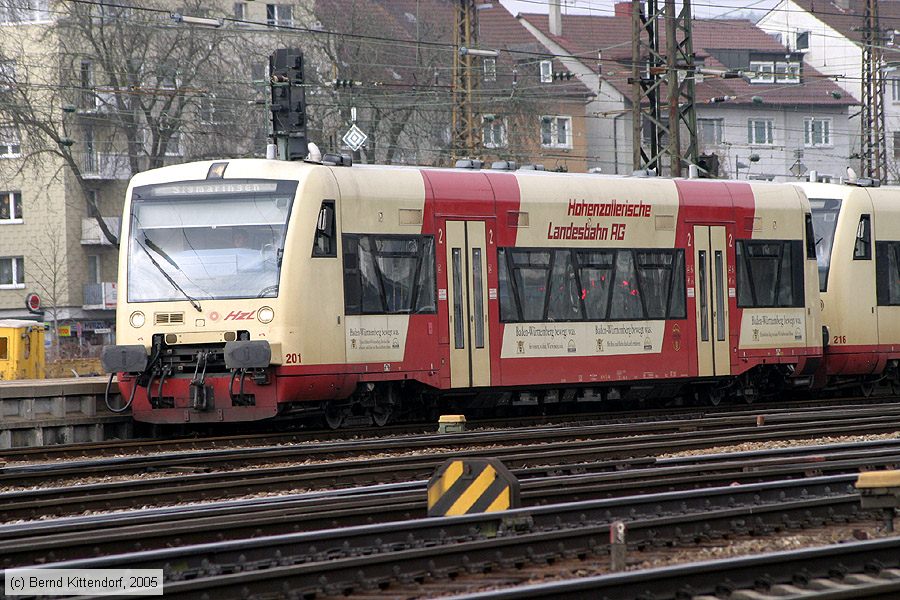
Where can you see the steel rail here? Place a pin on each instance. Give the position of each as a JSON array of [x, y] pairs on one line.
[[42, 502], [243, 439], [106, 534], [883, 419], [351, 559], [869, 569]]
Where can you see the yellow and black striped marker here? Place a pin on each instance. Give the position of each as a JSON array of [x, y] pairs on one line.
[[462, 486]]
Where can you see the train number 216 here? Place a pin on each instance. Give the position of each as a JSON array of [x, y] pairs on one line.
[[839, 339]]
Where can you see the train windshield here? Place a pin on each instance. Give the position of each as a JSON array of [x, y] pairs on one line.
[[206, 240], [825, 215]]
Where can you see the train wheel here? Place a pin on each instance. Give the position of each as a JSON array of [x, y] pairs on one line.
[[866, 389], [385, 403], [335, 415]]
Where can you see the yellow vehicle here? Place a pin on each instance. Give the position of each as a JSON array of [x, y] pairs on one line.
[[21, 349]]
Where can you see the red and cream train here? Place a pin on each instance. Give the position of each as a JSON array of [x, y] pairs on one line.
[[252, 288]]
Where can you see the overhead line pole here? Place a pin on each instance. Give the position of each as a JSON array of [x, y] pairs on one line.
[[873, 148], [464, 129]]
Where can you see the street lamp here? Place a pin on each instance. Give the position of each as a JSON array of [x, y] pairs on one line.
[[201, 21]]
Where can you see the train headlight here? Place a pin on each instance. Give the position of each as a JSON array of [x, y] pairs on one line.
[[265, 315], [137, 319]]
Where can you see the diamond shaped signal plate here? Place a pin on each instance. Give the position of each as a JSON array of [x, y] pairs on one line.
[[355, 138]]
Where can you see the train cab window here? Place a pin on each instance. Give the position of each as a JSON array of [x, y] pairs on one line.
[[810, 238], [887, 273], [389, 274], [325, 243], [4, 348], [862, 249], [769, 273], [825, 213], [541, 285]]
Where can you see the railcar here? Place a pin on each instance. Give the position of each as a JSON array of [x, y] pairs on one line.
[[858, 243], [252, 288]]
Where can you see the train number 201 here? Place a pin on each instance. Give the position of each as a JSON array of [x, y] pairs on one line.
[[292, 358], [839, 339]]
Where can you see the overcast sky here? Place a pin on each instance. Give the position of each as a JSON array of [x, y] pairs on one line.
[[701, 8]]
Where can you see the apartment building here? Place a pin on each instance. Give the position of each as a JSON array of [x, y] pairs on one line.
[[90, 94], [777, 120], [828, 35]]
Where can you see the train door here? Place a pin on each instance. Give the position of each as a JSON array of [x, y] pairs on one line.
[[711, 292], [468, 295]]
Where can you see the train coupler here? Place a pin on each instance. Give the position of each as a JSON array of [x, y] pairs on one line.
[[201, 394]]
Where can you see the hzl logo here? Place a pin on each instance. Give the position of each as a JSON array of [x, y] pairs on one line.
[[238, 315]]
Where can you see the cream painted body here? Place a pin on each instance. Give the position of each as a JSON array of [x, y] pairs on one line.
[[779, 218], [849, 307]]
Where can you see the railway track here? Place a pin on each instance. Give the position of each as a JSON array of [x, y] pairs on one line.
[[354, 559], [116, 448], [108, 534], [869, 569], [558, 446], [683, 434]]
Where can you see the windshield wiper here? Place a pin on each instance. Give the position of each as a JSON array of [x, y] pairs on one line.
[[168, 277]]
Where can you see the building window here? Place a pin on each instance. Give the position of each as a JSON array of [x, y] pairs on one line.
[[86, 83], [709, 131], [240, 11], [7, 74], [897, 144], [25, 11], [12, 272], [173, 146], [280, 15], [494, 132], [10, 207], [206, 111], [556, 132], [10, 146], [759, 132], [93, 269], [762, 72], [817, 132], [546, 71], [490, 69], [895, 89], [787, 72], [802, 40]]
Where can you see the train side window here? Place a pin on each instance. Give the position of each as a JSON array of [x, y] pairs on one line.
[[389, 274], [887, 273], [4, 348], [810, 238], [325, 243], [595, 275], [862, 249], [565, 291], [769, 273], [626, 300]]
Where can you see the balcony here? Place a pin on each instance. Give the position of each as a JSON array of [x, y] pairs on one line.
[[100, 296], [110, 166], [92, 235]]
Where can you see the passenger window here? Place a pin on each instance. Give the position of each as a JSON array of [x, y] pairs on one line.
[[862, 249], [565, 284], [887, 273], [325, 244], [389, 274], [4, 348], [769, 273], [810, 238]]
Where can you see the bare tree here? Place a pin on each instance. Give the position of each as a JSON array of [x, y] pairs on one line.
[[48, 265], [127, 91]]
